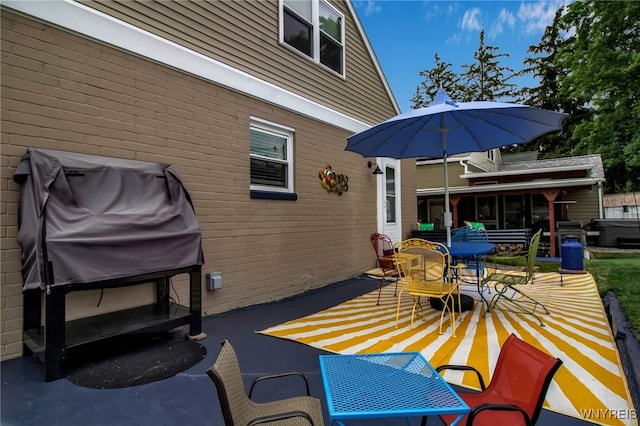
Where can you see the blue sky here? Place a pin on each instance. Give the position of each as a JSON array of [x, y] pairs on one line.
[[406, 34]]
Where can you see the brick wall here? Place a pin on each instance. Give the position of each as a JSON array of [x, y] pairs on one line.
[[64, 92]]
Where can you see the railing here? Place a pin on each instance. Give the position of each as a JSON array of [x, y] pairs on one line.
[[496, 236]]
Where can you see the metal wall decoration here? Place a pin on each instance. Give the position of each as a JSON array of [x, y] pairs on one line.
[[332, 181]]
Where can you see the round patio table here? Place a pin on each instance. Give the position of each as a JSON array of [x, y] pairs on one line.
[[466, 249]]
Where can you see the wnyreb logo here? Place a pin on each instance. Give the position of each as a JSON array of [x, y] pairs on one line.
[[607, 414]]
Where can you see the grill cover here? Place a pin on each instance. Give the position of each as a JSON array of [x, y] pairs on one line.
[[100, 218]]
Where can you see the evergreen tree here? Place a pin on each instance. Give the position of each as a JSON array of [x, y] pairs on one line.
[[602, 55], [485, 79], [439, 76], [547, 94]]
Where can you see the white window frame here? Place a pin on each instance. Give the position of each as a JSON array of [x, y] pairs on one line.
[[280, 130], [315, 17]]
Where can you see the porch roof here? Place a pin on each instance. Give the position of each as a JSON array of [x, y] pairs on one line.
[[512, 186], [592, 164]]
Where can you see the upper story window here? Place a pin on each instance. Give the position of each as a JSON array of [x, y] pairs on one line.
[[491, 155], [316, 29], [271, 156]]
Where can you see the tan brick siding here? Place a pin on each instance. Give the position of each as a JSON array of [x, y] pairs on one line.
[[63, 92]]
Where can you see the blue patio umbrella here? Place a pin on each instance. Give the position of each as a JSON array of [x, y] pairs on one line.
[[445, 128]]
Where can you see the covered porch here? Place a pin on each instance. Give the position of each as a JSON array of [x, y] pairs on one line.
[[514, 194], [549, 210]]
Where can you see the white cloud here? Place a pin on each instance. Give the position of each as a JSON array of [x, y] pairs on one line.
[[536, 16], [505, 18], [437, 9], [471, 20], [454, 39], [372, 7]]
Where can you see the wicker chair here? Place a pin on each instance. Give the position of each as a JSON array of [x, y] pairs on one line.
[[516, 391], [238, 408]]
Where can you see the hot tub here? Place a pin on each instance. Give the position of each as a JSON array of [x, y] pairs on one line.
[[611, 230]]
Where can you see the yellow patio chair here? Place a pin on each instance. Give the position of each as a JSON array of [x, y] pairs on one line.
[[424, 269], [507, 282]]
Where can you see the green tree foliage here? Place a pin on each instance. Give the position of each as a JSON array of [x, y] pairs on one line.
[[485, 79], [439, 76], [542, 65], [588, 65], [602, 57]]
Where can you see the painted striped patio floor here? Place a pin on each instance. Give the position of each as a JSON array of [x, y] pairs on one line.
[[589, 385]]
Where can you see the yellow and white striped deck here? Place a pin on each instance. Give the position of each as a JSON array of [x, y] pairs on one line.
[[589, 385]]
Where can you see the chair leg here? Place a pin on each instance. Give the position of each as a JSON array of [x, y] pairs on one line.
[[384, 276], [501, 294], [398, 308], [380, 289], [413, 310], [452, 313]]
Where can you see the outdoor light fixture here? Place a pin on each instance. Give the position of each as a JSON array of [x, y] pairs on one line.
[[377, 170]]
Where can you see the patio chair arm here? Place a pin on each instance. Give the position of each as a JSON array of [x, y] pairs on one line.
[[456, 270], [282, 416], [497, 407], [279, 375], [463, 368]]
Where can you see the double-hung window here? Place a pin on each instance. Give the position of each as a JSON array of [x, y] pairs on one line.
[[271, 155], [316, 29]]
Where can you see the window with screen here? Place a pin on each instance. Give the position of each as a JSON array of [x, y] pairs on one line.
[[271, 156]]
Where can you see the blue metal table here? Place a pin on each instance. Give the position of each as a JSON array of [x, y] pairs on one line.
[[466, 250], [399, 384]]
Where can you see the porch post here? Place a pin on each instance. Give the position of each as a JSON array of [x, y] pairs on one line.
[[551, 196], [454, 200]]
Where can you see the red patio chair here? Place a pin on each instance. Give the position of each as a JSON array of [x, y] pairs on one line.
[[516, 391], [383, 247]]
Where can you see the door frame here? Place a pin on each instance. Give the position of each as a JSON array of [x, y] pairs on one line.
[[392, 229]]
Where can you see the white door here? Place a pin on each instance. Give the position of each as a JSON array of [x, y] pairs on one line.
[[388, 203]]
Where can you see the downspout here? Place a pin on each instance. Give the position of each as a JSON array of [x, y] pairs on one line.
[[600, 202], [464, 164]]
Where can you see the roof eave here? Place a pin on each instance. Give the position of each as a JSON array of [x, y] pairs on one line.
[[544, 170], [536, 184]]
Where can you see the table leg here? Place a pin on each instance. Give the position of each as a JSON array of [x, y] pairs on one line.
[[479, 282]]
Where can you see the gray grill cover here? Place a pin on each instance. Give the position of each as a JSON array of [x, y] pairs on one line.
[[97, 218]]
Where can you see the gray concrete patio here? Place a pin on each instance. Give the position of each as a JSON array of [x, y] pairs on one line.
[[190, 397]]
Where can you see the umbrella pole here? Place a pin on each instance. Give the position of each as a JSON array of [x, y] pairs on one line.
[[447, 211]]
